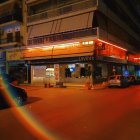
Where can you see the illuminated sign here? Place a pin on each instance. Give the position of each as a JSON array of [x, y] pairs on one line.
[[56, 72], [111, 44], [86, 58], [99, 46], [14, 55]]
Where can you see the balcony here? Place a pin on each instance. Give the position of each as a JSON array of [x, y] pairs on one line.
[[2, 1], [74, 7], [10, 17], [63, 36], [11, 41], [30, 1], [10, 11]]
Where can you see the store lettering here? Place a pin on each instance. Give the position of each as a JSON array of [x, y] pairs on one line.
[[56, 69], [86, 58]]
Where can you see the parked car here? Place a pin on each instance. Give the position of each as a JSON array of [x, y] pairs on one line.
[[133, 80], [137, 80], [17, 94], [118, 81]]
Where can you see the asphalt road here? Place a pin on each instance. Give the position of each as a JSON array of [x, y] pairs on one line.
[[74, 114]]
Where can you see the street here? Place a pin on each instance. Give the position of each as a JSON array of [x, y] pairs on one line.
[[74, 114]]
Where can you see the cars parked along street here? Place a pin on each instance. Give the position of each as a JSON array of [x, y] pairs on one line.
[[17, 94], [133, 80], [118, 81]]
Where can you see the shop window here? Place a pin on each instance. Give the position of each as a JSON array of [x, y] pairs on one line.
[[72, 68], [67, 72], [78, 70], [50, 72], [82, 72]]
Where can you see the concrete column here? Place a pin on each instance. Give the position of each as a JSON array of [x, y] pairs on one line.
[[94, 65]]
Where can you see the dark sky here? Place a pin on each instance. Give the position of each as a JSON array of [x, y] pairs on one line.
[[136, 5], [132, 6]]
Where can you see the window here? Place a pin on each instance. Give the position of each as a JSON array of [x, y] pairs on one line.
[[17, 36], [9, 37]]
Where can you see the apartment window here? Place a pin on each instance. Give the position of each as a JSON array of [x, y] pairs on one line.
[[17, 36], [40, 7], [66, 9], [9, 37]]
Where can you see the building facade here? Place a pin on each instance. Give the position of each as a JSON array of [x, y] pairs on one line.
[[76, 41], [12, 38]]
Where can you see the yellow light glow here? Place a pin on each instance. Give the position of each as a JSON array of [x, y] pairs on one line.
[[88, 43], [46, 48], [91, 42], [56, 46]]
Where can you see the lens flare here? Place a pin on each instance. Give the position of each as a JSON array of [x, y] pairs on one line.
[[27, 119]]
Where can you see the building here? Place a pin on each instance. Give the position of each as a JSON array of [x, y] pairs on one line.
[[12, 39], [73, 43]]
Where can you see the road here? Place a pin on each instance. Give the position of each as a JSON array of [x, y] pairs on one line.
[[74, 114]]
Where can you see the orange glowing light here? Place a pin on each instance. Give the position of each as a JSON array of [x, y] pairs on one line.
[[56, 46], [88, 42], [111, 44]]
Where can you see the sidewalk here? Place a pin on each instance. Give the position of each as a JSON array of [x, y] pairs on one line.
[[72, 85], [100, 85]]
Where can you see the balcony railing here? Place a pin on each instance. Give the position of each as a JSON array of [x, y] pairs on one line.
[[9, 18], [63, 36], [11, 40], [63, 10], [2, 1]]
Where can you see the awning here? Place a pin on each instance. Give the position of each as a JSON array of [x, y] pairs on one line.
[[40, 29], [75, 22], [80, 21]]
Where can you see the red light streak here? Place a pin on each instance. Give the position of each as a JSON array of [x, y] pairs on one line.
[[111, 44]]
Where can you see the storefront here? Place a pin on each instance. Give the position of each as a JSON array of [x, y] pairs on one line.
[[76, 70], [77, 62], [68, 70], [16, 66], [134, 64]]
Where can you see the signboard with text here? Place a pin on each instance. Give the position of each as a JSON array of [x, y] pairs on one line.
[[56, 72], [99, 46], [14, 55]]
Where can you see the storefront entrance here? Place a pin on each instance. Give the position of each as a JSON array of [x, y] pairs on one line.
[[76, 73]]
